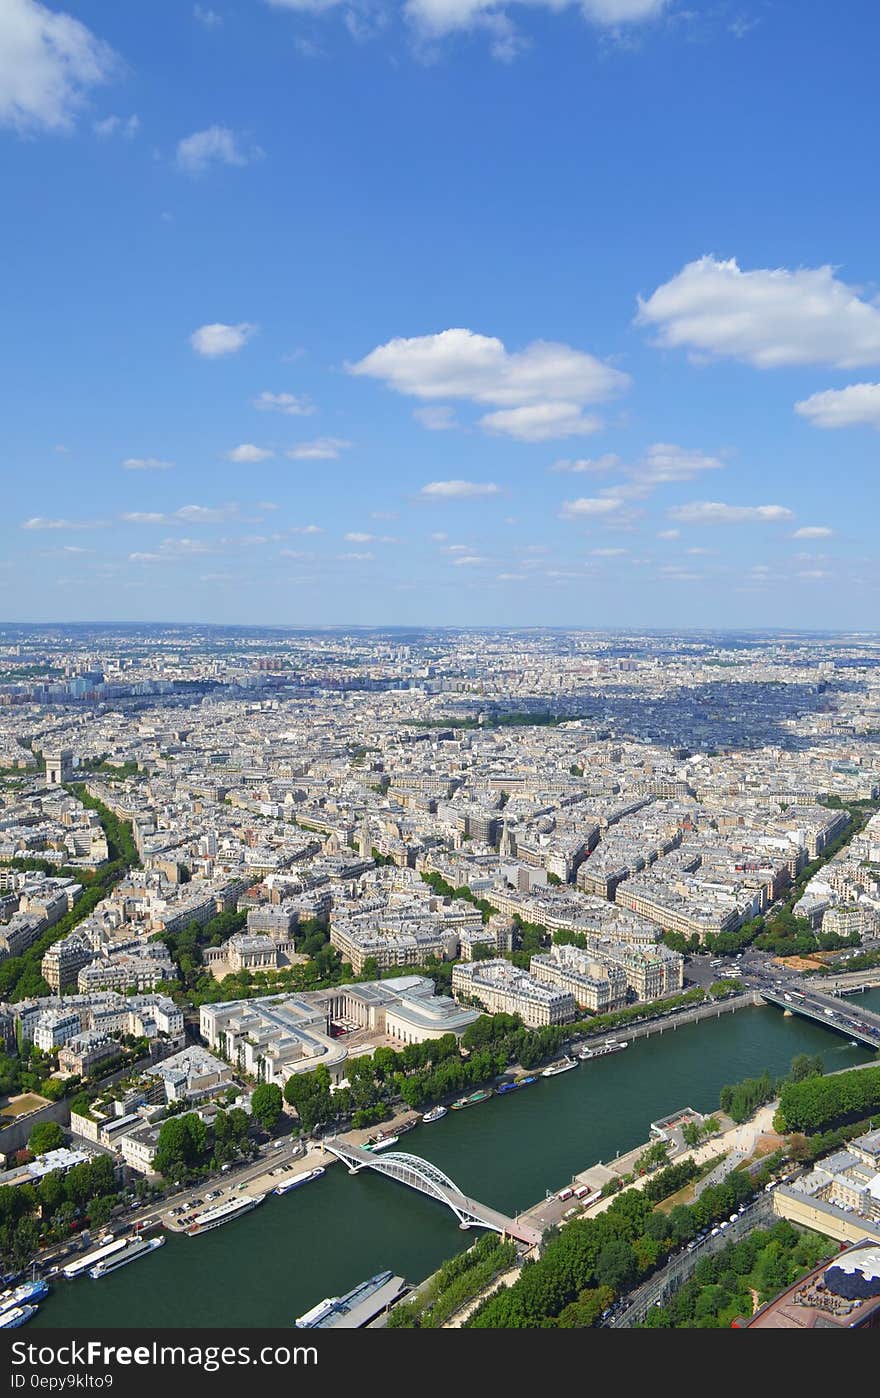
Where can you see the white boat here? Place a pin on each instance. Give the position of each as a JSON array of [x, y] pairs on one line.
[[134, 1248], [23, 1295], [382, 1143], [610, 1046], [90, 1259], [19, 1315], [223, 1213], [311, 1318], [296, 1180], [562, 1065], [435, 1114], [342, 1305]]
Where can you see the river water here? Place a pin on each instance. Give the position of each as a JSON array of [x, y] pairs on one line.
[[276, 1262]]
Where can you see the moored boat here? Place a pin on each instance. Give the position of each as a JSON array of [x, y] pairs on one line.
[[134, 1248], [562, 1065], [22, 1295], [297, 1180], [435, 1114], [472, 1099], [357, 1307], [223, 1213], [381, 1143], [19, 1315], [610, 1046], [91, 1259]]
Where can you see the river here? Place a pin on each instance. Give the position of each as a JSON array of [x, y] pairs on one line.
[[276, 1262]]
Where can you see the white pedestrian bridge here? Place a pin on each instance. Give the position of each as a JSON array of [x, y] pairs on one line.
[[427, 1178]]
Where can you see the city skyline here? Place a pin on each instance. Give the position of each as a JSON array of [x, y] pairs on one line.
[[263, 362]]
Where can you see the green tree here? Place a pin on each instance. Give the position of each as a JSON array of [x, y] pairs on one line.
[[181, 1147], [806, 1065], [309, 1094], [267, 1104], [46, 1136], [617, 1265]]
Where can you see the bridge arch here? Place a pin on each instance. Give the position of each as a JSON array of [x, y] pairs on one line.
[[426, 1177]]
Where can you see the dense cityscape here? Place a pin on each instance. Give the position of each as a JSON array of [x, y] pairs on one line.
[[439, 686], [269, 900]]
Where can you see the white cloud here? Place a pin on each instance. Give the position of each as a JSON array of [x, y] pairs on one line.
[[304, 6], [586, 507], [41, 522], [439, 419], [459, 490], [541, 422], [211, 341], [322, 449], [669, 534], [283, 403], [248, 453], [118, 126], [146, 463], [855, 406], [608, 553], [468, 560], [307, 48], [539, 390], [307, 529], [434, 19], [187, 514], [712, 512], [664, 462], [206, 514], [48, 62], [216, 145], [357, 557], [671, 573], [209, 18], [768, 317], [355, 537], [813, 531], [599, 465], [174, 548]]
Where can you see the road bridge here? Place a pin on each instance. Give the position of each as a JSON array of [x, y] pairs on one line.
[[427, 1178], [851, 1021]]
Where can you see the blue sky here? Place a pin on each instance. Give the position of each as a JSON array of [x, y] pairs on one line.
[[440, 313]]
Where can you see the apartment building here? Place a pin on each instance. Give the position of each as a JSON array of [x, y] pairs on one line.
[[502, 988], [595, 985]]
